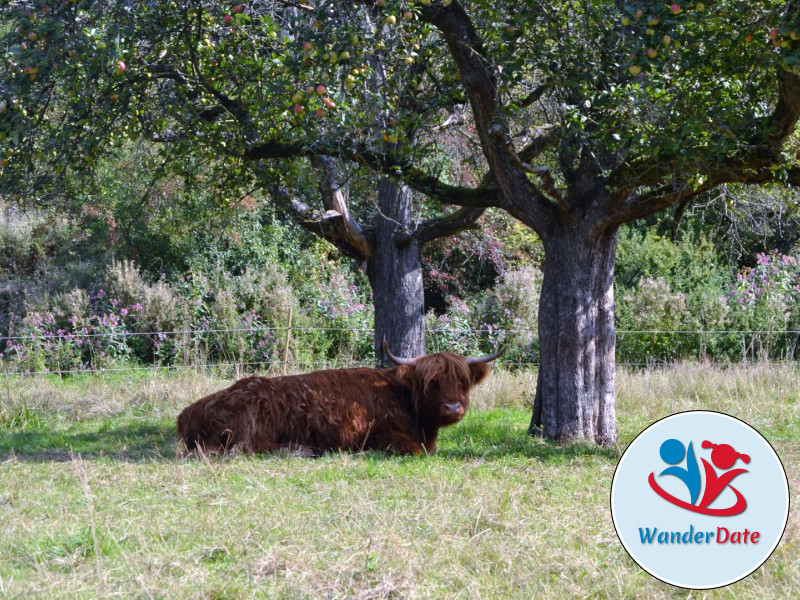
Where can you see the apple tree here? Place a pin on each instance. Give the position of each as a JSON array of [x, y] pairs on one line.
[[579, 116], [83, 79]]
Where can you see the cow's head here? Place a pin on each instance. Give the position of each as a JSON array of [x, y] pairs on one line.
[[440, 383]]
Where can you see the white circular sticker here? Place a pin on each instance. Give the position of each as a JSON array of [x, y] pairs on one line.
[[700, 499]]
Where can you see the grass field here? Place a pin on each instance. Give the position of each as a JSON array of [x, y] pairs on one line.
[[95, 501]]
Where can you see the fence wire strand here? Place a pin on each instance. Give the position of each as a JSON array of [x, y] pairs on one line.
[[284, 328], [278, 366]]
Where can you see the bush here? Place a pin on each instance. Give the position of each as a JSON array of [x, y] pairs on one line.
[[652, 311], [198, 318], [766, 301], [508, 315], [451, 331], [667, 292]]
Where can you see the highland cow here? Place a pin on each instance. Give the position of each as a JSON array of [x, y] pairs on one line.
[[399, 409]]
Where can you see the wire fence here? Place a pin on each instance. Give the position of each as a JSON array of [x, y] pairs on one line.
[[368, 330], [282, 349]]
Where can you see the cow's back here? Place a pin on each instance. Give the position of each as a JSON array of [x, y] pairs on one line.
[[334, 409]]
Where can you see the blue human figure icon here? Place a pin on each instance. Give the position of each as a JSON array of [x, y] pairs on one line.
[[672, 452]]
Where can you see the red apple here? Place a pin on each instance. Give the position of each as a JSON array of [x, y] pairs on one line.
[[675, 8], [120, 67], [227, 18], [238, 8], [321, 113], [299, 109], [651, 53], [321, 89]]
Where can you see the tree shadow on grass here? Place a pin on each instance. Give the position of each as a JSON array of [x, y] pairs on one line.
[[493, 439], [132, 441], [493, 435]]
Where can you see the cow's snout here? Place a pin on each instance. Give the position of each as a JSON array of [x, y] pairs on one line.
[[452, 409]]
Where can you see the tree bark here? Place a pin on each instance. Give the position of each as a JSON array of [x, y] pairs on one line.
[[575, 391], [395, 273]]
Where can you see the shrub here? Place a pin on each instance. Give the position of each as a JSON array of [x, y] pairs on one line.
[[650, 313], [341, 307], [451, 331], [508, 315], [672, 290], [766, 300]]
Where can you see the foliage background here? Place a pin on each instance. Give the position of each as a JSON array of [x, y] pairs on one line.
[[106, 280]]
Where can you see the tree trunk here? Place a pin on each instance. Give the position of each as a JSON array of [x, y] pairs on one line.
[[575, 391], [395, 273]]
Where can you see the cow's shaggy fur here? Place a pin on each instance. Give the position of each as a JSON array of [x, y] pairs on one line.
[[399, 409]]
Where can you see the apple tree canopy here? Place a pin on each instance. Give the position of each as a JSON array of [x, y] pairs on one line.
[[683, 95], [580, 115]]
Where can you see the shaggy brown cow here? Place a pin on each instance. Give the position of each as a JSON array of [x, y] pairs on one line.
[[399, 409]]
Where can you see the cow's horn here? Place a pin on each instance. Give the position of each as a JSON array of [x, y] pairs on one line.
[[395, 359], [472, 360]]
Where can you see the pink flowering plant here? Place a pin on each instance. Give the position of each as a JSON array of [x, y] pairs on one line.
[[765, 300], [195, 319], [453, 330], [345, 315]]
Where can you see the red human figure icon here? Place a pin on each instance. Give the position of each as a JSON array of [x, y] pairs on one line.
[[724, 457]]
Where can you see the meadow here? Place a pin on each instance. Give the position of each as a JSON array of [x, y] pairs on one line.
[[96, 500]]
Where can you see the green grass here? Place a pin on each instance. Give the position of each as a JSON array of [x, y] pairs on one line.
[[95, 501]]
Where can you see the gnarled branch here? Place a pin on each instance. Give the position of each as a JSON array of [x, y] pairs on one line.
[[450, 224], [433, 187]]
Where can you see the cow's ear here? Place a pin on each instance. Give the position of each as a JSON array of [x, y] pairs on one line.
[[478, 372]]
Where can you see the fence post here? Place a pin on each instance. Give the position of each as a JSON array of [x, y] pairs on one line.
[[286, 346]]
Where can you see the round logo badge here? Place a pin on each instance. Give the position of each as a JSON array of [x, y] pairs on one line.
[[700, 499]]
